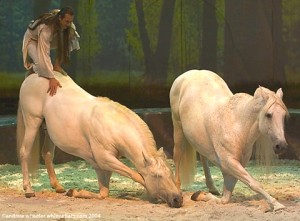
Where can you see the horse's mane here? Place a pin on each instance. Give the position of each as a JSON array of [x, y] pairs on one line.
[[147, 135]]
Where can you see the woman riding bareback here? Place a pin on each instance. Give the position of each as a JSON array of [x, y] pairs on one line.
[[53, 30]]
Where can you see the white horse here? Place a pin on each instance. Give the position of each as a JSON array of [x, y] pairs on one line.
[[222, 127], [97, 130]]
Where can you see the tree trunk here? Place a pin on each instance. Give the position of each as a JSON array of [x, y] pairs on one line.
[[156, 63], [208, 58]]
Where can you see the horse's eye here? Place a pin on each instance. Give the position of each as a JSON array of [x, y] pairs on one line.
[[269, 115], [157, 175]]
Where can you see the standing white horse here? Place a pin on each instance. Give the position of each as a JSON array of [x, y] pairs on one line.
[[96, 129], [223, 128]]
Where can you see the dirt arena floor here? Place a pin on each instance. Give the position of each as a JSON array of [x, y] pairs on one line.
[[128, 200]]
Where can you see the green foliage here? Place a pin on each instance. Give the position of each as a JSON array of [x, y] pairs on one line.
[[89, 43], [10, 84], [110, 40], [186, 35], [291, 32], [81, 175], [152, 10], [14, 18], [113, 20], [108, 78]]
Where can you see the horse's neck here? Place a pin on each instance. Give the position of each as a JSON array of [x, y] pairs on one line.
[[245, 107], [141, 158], [247, 110]]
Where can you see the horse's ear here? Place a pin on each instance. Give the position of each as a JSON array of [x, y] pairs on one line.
[[161, 152], [259, 92], [146, 160], [279, 93]]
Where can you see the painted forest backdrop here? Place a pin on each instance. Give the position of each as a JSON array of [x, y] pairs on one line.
[[132, 50]]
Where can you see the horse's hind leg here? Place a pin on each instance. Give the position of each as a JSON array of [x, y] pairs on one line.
[[48, 154], [31, 130], [208, 179]]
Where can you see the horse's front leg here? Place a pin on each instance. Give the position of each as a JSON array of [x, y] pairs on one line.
[[113, 164], [228, 186], [48, 155], [103, 180], [109, 164], [237, 171]]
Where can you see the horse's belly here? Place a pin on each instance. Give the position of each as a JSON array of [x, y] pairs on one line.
[[200, 125], [199, 139], [78, 151]]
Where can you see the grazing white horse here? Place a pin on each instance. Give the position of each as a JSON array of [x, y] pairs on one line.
[[95, 129], [223, 128]]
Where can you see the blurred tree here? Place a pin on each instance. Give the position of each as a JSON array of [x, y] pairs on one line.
[[89, 42], [291, 33], [156, 61], [186, 37], [112, 25], [14, 19], [40, 7]]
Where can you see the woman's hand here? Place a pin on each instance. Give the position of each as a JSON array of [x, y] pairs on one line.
[[53, 84]]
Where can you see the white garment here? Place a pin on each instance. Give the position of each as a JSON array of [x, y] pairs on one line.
[[37, 44]]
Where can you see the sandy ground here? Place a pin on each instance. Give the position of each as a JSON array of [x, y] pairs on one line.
[[128, 200]]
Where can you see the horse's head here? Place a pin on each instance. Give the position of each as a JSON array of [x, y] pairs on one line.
[[272, 118], [159, 180]]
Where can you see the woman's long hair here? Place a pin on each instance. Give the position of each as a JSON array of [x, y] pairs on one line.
[[52, 19]]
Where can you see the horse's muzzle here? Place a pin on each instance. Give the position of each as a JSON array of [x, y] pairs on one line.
[[280, 147], [176, 201]]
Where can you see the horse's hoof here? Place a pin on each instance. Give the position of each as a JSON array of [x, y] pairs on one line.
[[278, 206], [70, 192], [196, 195], [203, 196], [29, 195]]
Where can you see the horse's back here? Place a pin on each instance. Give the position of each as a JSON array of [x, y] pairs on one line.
[[34, 98], [32, 93], [197, 88], [59, 111]]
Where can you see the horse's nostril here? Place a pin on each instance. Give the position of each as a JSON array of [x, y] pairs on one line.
[[177, 202], [280, 148]]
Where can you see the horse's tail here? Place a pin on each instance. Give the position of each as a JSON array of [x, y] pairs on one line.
[[34, 160], [264, 153], [188, 164]]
